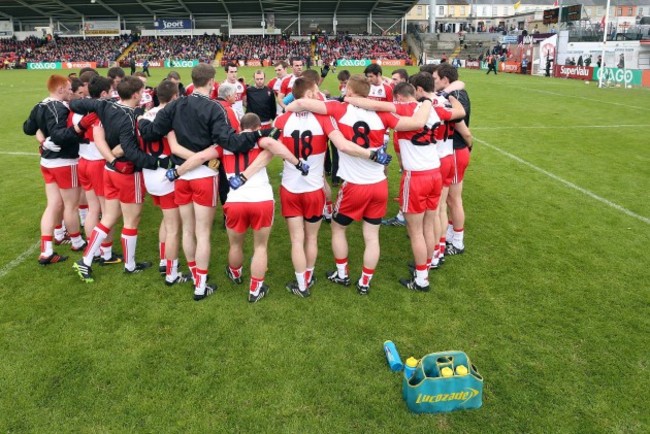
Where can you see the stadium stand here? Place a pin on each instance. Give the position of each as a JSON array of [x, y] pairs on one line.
[[355, 48], [264, 48], [102, 50], [202, 48]]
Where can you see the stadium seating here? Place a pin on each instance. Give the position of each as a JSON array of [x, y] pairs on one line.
[[202, 48], [263, 49], [355, 48], [102, 50]]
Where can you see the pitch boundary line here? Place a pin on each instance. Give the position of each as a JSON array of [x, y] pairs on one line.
[[588, 99], [19, 259], [569, 184], [546, 127], [29, 154]]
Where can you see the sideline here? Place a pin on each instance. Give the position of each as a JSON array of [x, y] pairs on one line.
[[569, 184], [16, 262]]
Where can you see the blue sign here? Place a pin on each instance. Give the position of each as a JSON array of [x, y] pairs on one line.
[[170, 24]]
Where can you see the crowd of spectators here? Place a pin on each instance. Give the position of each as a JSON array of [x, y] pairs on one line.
[[355, 48], [102, 50], [264, 48], [200, 47]]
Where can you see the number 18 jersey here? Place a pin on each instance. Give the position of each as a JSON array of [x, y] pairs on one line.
[[305, 135]]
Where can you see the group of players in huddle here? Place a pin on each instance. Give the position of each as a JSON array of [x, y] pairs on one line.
[[107, 145]]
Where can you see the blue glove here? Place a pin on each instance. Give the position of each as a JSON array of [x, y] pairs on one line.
[[237, 181], [171, 174], [303, 167], [380, 156], [288, 99]]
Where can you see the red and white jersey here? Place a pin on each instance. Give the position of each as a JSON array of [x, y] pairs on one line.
[[146, 100], [257, 188], [365, 128], [305, 135], [418, 149], [287, 84], [214, 93], [381, 92], [87, 148], [445, 133], [240, 94], [275, 84], [154, 179]]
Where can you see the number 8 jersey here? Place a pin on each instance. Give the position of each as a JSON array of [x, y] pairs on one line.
[[365, 128], [305, 135]]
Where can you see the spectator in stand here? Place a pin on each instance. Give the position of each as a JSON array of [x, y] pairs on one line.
[[270, 49], [202, 48], [348, 47]]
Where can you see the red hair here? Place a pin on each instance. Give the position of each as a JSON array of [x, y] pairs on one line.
[[55, 82]]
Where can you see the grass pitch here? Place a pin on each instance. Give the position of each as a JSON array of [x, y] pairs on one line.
[[551, 299]]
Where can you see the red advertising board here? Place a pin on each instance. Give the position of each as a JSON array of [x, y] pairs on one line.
[[78, 65], [253, 62], [390, 62], [575, 72], [512, 67], [645, 78], [472, 64]]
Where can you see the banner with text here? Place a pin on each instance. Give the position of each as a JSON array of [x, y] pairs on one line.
[[78, 65], [353, 62], [172, 24], [102, 27], [181, 63], [619, 76], [152, 64], [44, 65], [390, 62], [472, 64], [511, 67], [575, 72]]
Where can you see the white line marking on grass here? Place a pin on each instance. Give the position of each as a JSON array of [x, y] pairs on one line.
[[569, 184], [588, 99], [16, 262], [30, 154], [546, 127]]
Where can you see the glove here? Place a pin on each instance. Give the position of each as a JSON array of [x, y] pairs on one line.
[[172, 174], [303, 167], [87, 121], [380, 156], [165, 163], [123, 167], [273, 133], [237, 181], [49, 145]]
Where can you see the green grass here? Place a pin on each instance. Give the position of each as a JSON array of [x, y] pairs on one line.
[[551, 300]]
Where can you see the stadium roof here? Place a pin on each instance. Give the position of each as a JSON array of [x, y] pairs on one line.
[[66, 9]]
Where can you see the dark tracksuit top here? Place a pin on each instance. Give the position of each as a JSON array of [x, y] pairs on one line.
[[119, 123], [51, 117], [199, 123]]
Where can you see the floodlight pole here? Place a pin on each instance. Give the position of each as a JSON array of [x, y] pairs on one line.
[[432, 16], [602, 56]]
